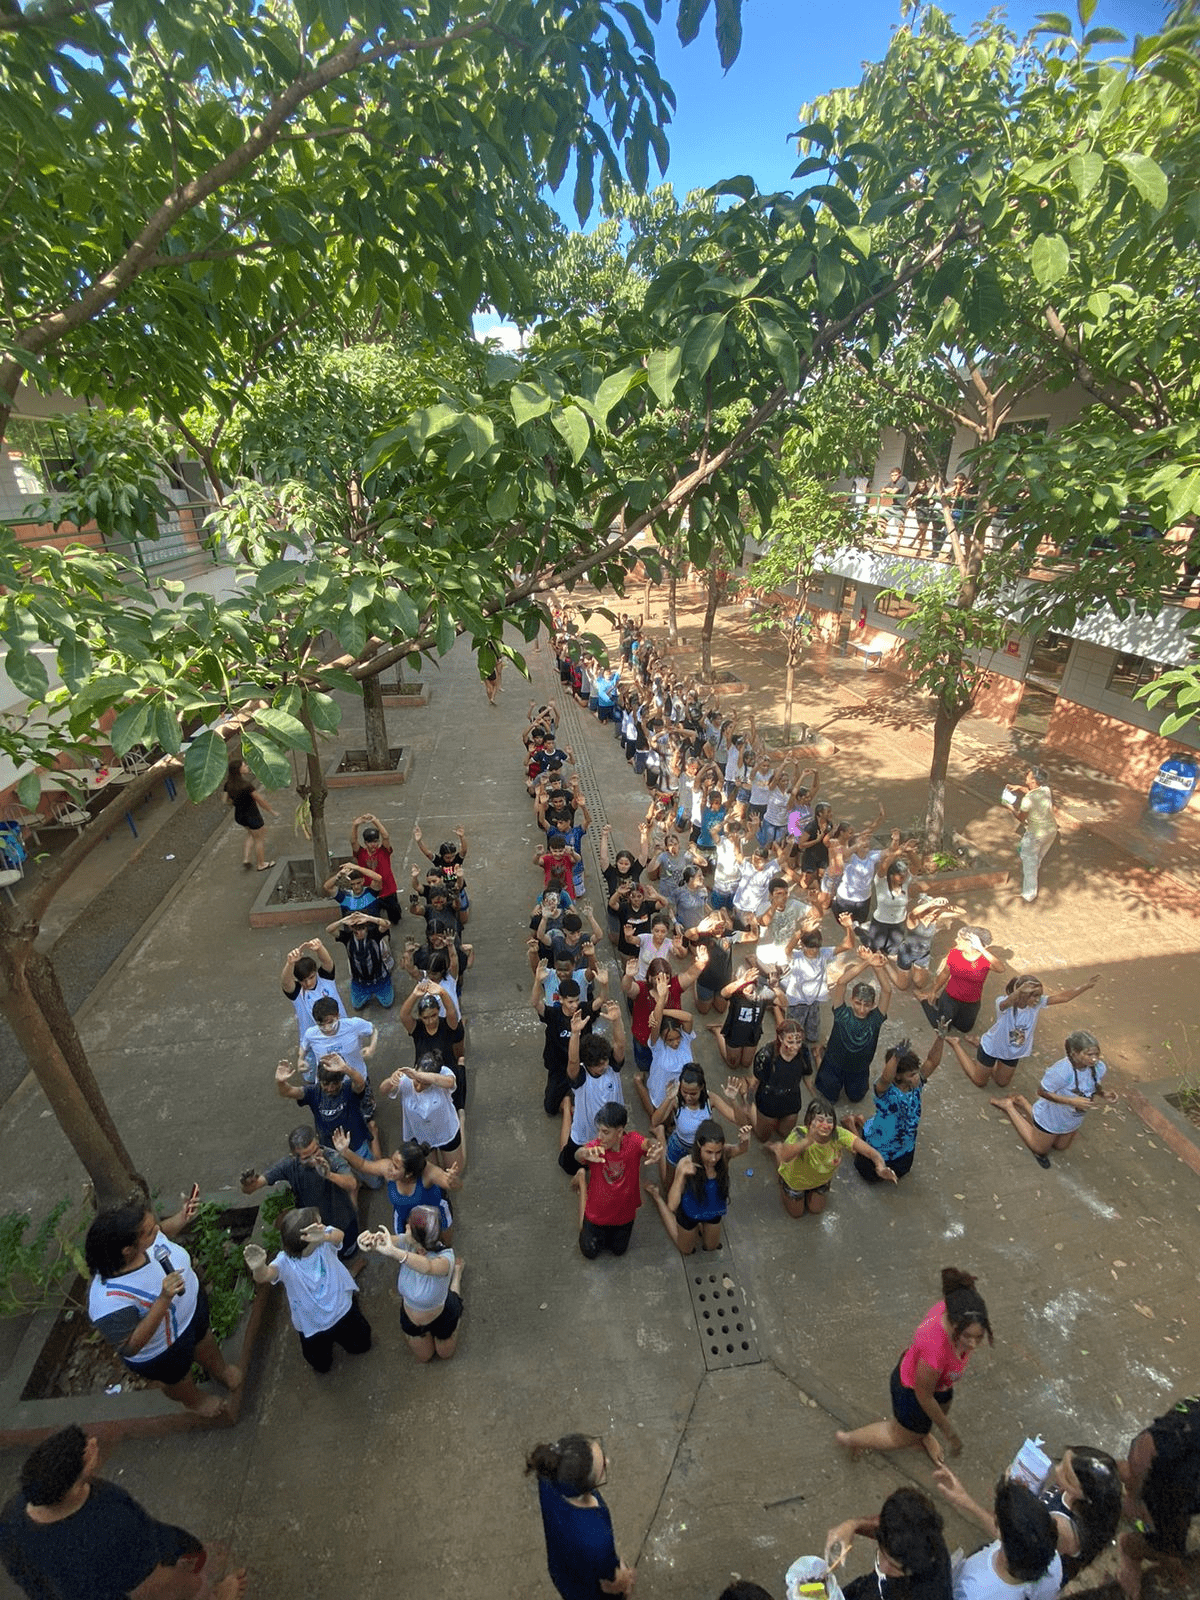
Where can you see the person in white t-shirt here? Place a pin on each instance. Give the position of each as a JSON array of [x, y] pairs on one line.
[[1009, 1040], [806, 982], [1068, 1090], [1023, 1562], [320, 1290]]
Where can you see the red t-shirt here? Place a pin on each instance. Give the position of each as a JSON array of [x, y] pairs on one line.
[[557, 864], [378, 860], [643, 1005], [934, 1346], [967, 978], [614, 1190]]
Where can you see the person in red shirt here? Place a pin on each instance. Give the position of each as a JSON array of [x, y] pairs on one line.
[[959, 985], [609, 1181], [923, 1379], [558, 861], [371, 848]]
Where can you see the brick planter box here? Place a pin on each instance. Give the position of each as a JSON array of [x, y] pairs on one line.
[[337, 779], [951, 884], [131, 1413], [405, 696], [291, 896], [1157, 1105]]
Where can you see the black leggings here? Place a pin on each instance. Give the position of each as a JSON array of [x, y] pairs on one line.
[[352, 1332]]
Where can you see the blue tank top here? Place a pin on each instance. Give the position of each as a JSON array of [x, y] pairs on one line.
[[711, 1209], [424, 1194]]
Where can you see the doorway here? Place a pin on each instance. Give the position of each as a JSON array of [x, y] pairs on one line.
[[1043, 680]]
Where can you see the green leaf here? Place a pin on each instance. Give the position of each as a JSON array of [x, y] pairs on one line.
[[729, 31], [1086, 169], [289, 730], [702, 341], [614, 388], [1051, 258], [74, 662], [132, 727], [783, 352], [324, 712], [266, 760], [29, 790], [527, 402], [1053, 22], [572, 425], [26, 673], [445, 633], [205, 764], [1147, 177], [166, 727], [662, 372]]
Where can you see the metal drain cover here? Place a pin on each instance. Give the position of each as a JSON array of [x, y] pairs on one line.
[[722, 1316]]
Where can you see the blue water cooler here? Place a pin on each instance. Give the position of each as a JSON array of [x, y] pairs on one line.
[[1173, 785]]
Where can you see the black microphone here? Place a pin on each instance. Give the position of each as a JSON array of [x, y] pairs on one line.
[[163, 1256]]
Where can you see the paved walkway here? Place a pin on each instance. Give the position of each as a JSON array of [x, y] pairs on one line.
[[388, 1477]]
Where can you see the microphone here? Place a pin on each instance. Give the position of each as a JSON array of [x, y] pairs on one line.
[[163, 1256]]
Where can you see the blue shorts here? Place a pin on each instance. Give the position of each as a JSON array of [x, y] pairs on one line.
[[372, 1180], [722, 899], [643, 1056], [906, 1408], [383, 991]]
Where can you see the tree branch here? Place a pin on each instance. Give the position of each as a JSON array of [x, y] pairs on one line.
[[1087, 377], [14, 21]]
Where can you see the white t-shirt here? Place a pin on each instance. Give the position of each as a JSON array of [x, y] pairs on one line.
[[352, 1033], [429, 1113], [752, 894], [1062, 1078], [302, 1003], [591, 1094], [777, 807], [1010, 1037], [727, 864], [732, 762], [977, 1579], [807, 981], [665, 1066], [858, 874], [319, 1288], [760, 786], [134, 1294], [891, 905]]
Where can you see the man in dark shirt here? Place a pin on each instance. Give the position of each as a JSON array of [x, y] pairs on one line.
[[67, 1535], [319, 1178]]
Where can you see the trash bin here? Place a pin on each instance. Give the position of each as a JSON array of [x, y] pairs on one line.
[[1173, 785]]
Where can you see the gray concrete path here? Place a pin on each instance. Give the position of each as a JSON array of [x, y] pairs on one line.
[[387, 1477]]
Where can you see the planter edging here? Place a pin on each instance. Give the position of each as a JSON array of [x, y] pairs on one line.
[[137, 1413], [368, 780], [941, 881], [413, 696], [1179, 1135], [290, 913]]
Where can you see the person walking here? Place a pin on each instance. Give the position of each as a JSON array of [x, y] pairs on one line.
[[248, 801], [1033, 804], [581, 1551]]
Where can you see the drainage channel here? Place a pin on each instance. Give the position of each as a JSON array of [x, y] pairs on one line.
[[722, 1313]]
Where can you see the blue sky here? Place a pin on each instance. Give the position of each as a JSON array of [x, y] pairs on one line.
[[792, 51]]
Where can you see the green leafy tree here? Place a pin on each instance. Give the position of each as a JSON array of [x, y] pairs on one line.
[[805, 529]]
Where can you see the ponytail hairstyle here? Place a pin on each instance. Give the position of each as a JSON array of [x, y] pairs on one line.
[[569, 1464], [963, 1306], [693, 1073], [414, 1157], [425, 1226], [1098, 1512], [710, 1131]]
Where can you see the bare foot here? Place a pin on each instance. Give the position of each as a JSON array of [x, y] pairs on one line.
[[714, 1027], [1003, 1103], [209, 1406], [844, 1440], [233, 1378], [231, 1587], [933, 1450]]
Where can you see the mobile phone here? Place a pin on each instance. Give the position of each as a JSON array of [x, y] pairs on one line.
[[195, 1194]]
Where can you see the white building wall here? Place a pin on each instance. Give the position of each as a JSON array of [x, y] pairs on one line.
[[1085, 681]]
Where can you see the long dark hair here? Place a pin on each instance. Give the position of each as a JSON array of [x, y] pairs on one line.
[[963, 1306], [1098, 1512], [110, 1235], [235, 784], [910, 1531], [709, 1132]]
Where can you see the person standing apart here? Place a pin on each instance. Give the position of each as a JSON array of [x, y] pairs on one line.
[[581, 1552], [1033, 804], [248, 802]]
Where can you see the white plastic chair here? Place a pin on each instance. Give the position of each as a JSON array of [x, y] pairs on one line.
[[135, 762], [8, 876], [68, 815], [28, 821]]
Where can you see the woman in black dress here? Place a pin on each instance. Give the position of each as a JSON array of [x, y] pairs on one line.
[[248, 804]]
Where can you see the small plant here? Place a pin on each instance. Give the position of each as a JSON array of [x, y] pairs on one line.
[[1183, 1056], [944, 861], [217, 1259], [272, 1208], [33, 1271]]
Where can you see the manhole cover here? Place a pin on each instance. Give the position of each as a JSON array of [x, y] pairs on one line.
[[722, 1316]]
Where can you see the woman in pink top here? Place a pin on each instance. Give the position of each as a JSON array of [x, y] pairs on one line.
[[923, 1379]]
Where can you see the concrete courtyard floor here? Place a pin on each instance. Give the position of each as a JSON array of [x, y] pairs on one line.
[[388, 1478]]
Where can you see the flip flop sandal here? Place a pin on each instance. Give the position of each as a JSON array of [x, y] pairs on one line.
[[266, 866]]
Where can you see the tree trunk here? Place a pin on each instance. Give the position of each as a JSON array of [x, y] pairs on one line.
[[317, 793], [672, 618], [379, 757], [104, 1160], [706, 632], [946, 720], [789, 691]]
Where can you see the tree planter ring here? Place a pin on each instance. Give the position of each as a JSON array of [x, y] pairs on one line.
[[405, 696], [335, 778], [291, 896]]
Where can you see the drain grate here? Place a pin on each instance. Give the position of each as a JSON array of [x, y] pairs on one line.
[[722, 1317]]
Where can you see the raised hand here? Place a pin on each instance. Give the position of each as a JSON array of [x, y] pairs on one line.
[[416, 833], [577, 1023], [341, 1141], [590, 1154], [314, 1233], [746, 1130], [254, 1256], [285, 1071], [736, 1088]]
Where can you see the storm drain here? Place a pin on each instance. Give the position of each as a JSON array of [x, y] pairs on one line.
[[722, 1317]]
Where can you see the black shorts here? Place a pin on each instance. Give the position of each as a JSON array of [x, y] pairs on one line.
[[990, 1061], [740, 1035], [175, 1363], [906, 1408], [442, 1326], [901, 1166]]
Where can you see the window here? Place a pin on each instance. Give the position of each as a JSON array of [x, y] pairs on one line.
[[1024, 428], [1130, 673], [43, 449], [893, 605]]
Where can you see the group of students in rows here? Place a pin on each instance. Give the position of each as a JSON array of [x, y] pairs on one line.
[[1048, 1520], [145, 1296], [736, 849]]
